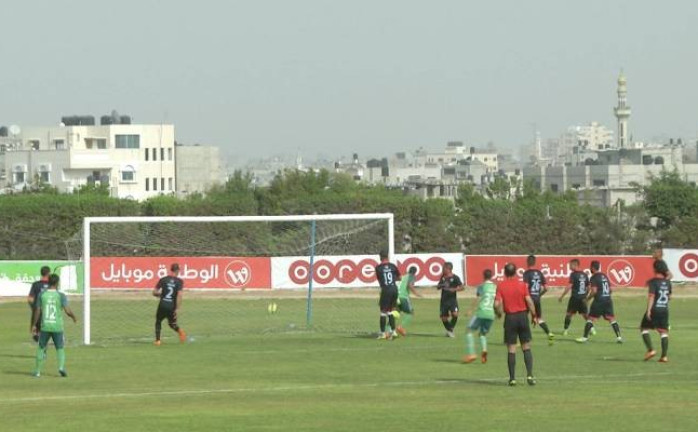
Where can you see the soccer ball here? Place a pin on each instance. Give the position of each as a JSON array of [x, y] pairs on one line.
[[272, 308]]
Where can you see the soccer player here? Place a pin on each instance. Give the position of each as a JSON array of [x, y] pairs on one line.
[[536, 283], [387, 275], [657, 314], [578, 286], [52, 304], [514, 300], [449, 284], [658, 255], [482, 318], [602, 306], [34, 292], [404, 304], [169, 290]]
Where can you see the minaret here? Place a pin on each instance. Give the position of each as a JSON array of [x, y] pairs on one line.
[[622, 112]]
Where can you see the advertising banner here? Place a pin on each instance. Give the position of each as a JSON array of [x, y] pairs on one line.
[[16, 277], [683, 264], [356, 271], [197, 272], [626, 271]]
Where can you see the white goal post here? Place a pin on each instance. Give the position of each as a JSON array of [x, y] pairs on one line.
[[92, 223]]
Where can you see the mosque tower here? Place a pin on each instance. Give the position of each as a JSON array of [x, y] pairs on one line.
[[622, 112]]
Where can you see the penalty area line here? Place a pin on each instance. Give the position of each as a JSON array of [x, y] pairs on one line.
[[312, 387]]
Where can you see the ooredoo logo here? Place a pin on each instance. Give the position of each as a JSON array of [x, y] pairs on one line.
[[621, 272], [688, 265], [237, 274], [347, 271]]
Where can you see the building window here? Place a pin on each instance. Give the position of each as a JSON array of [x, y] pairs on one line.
[[59, 144], [147, 153], [170, 183], [128, 174], [33, 144], [147, 184], [155, 183], [169, 154], [127, 141], [576, 186], [19, 177], [599, 183], [553, 187], [155, 154], [162, 183], [45, 177], [162, 154], [96, 143]]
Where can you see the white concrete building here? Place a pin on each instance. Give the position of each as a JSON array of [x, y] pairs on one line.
[[134, 161], [198, 168]]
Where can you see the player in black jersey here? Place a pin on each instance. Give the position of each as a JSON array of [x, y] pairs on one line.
[[578, 288], [169, 290], [449, 284], [535, 281], [388, 275], [602, 306], [657, 314], [33, 298]]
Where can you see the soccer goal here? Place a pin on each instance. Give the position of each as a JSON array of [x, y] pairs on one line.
[[242, 274]]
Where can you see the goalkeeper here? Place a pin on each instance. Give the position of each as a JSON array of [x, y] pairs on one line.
[[404, 304]]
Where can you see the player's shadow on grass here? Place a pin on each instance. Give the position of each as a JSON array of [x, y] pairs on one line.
[[18, 355], [447, 360], [427, 335], [482, 381], [16, 372]]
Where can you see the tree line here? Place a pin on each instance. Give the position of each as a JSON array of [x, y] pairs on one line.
[[42, 224]]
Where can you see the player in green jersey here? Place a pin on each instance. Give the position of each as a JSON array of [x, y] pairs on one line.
[[49, 308], [482, 320], [404, 304]]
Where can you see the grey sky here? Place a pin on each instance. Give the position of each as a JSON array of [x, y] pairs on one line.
[[263, 77]]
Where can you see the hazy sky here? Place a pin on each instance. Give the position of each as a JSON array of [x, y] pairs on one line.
[[261, 77]]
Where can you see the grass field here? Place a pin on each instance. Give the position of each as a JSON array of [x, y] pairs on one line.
[[258, 379]]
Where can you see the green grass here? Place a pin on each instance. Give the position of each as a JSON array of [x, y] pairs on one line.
[[259, 377]]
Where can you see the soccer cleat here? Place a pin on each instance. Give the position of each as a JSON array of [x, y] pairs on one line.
[[182, 336], [483, 357], [389, 335], [394, 334], [619, 340], [381, 336], [664, 359], [469, 358], [36, 374], [402, 331], [565, 332], [157, 343], [582, 340], [531, 381], [63, 373], [450, 334], [551, 338], [593, 331], [512, 383], [650, 354]]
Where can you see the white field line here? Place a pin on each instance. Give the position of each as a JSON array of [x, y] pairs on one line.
[[333, 386]]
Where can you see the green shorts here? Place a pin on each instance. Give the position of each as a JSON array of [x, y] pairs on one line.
[[58, 339], [405, 305]]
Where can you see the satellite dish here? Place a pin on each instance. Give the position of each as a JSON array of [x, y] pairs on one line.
[[15, 130]]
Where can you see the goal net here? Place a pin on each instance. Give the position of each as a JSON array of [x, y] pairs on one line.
[[242, 274]]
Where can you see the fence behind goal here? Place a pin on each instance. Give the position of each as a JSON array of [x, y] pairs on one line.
[[226, 267]]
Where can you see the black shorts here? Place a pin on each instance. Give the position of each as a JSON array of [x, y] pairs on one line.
[[448, 308], [516, 327], [166, 312], [388, 300], [577, 305], [601, 309], [536, 304], [659, 321]]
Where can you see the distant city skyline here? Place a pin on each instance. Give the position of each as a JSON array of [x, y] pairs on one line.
[[315, 77]]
